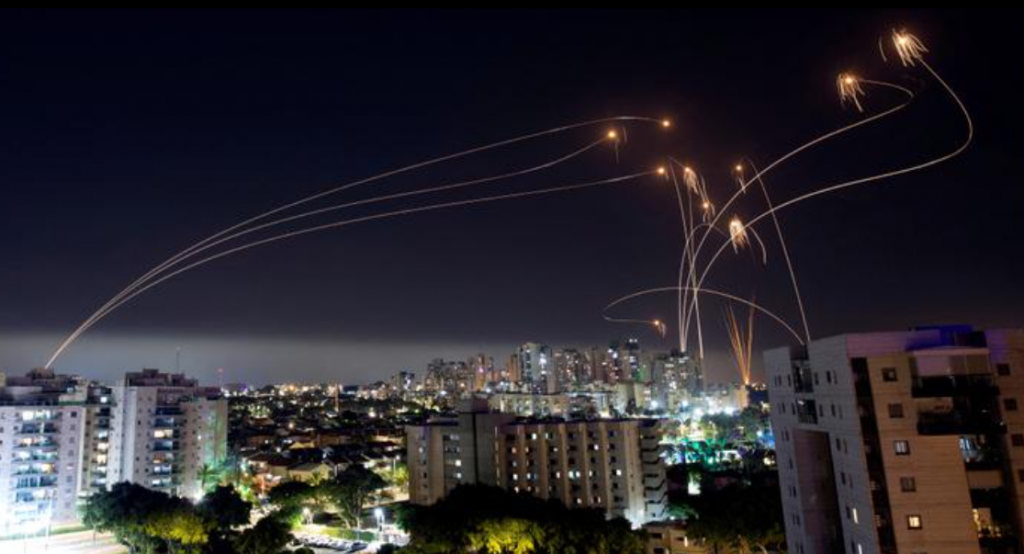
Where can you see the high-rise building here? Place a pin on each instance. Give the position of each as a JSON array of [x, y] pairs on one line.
[[402, 383], [571, 368], [611, 464], [675, 377], [445, 453], [624, 362], [63, 438], [537, 368], [482, 372], [99, 428], [451, 378], [41, 434], [169, 428], [901, 443]]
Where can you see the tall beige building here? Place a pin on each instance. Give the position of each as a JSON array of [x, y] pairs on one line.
[[907, 442], [610, 464]]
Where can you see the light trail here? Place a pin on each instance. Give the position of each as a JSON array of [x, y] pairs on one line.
[[664, 123], [785, 253], [803, 147], [881, 176], [712, 292], [111, 305], [375, 217]]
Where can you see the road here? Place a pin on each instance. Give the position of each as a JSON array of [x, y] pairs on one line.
[[81, 542]]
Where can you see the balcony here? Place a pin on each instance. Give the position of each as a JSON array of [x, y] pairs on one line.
[[807, 411], [802, 377], [958, 423], [46, 443], [165, 482], [977, 386], [35, 469], [37, 429], [159, 469], [168, 422], [36, 482], [166, 446]]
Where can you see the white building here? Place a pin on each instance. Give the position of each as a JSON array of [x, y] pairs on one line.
[[63, 438], [537, 368], [169, 428], [41, 436]]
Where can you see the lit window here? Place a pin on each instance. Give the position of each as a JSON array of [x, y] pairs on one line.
[[901, 447], [914, 522]]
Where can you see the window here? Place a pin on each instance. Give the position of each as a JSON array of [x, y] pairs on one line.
[[889, 374], [908, 484], [902, 448], [896, 410], [1003, 369], [1010, 404], [914, 522], [1017, 439]]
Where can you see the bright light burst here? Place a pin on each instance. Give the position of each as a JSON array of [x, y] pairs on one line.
[[741, 179], [660, 327], [909, 48], [850, 91], [738, 234], [691, 180]]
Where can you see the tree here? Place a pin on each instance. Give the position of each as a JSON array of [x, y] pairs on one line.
[[743, 518], [225, 508], [209, 476], [179, 525], [125, 511], [270, 535], [490, 520], [396, 477], [506, 536], [152, 522], [291, 494], [349, 492]]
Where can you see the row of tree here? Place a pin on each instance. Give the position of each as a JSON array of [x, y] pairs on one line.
[[740, 518], [489, 520], [152, 522], [346, 495]]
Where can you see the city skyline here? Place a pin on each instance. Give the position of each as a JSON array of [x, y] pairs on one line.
[[674, 281]]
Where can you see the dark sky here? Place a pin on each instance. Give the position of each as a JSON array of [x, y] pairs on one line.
[[126, 136]]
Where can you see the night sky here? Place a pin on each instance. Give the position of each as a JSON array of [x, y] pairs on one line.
[[127, 136]]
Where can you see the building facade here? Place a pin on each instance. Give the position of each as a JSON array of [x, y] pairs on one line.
[[169, 429], [41, 443], [909, 442], [610, 464]]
